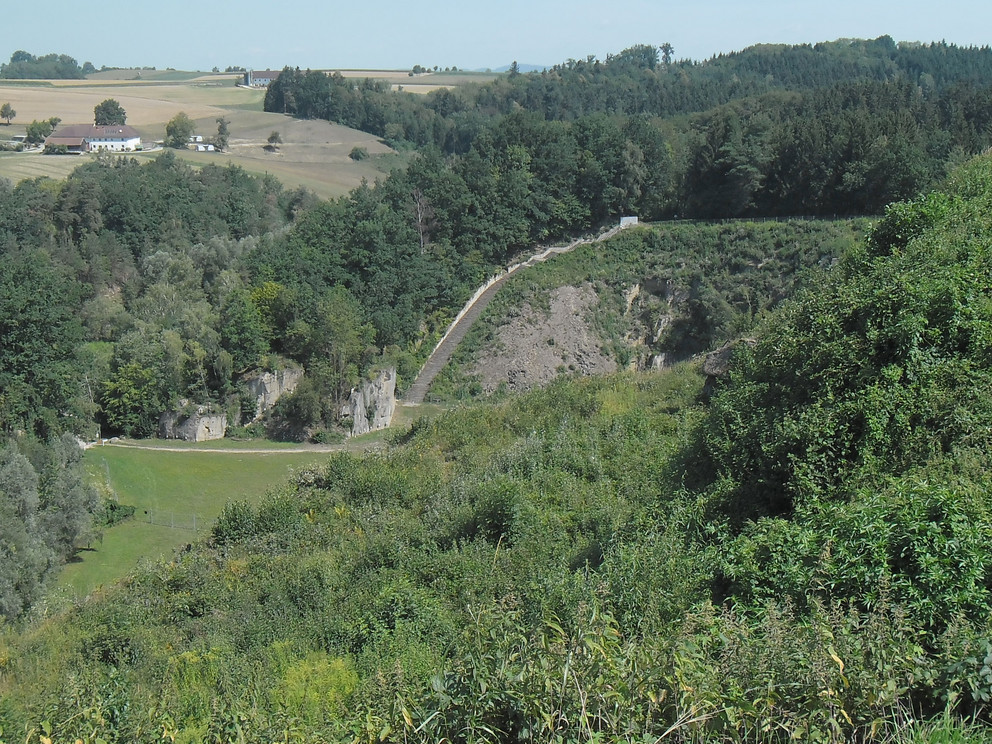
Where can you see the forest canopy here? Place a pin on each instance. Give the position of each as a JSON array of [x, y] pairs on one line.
[[834, 128]]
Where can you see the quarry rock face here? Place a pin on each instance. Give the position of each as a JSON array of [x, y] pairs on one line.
[[537, 346], [198, 425], [372, 404], [268, 387], [716, 364]]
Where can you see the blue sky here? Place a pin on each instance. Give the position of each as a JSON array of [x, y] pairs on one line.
[[388, 34]]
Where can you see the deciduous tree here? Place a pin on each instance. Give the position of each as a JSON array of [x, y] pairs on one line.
[[24, 560], [223, 133], [37, 131], [178, 131], [7, 112], [39, 331], [109, 112], [131, 402], [243, 331]]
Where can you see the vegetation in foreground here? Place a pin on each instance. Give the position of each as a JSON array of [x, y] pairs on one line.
[[802, 556]]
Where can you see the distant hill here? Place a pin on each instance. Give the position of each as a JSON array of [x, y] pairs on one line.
[[521, 68]]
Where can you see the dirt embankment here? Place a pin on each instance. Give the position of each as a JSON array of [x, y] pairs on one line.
[[537, 346]]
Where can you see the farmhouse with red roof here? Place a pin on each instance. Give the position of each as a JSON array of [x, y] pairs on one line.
[[91, 138]]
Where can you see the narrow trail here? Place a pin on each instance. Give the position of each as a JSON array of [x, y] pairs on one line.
[[473, 309], [310, 449]]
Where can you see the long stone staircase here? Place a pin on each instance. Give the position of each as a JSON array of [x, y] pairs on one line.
[[473, 309]]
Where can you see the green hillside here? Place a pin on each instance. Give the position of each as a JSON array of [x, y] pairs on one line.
[[800, 555], [667, 291], [792, 548]]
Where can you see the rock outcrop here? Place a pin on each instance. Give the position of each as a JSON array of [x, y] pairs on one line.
[[372, 404], [716, 364], [197, 425], [268, 387]]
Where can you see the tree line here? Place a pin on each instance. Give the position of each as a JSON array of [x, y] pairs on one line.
[[26, 66], [840, 127]]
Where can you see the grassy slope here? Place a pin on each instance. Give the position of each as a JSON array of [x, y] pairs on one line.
[[186, 483]]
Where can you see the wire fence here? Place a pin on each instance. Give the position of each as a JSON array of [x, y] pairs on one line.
[[173, 520]]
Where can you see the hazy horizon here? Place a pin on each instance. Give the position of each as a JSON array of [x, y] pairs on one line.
[[394, 35]]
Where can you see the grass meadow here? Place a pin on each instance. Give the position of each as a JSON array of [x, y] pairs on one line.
[[168, 482], [171, 487]]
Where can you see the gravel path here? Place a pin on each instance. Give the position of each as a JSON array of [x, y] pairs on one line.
[[471, 312]]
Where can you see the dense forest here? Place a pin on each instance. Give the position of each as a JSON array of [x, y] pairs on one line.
[[835, 128], [800, 553]]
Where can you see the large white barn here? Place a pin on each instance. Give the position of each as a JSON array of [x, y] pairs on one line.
[[260, 78], [91, 138]]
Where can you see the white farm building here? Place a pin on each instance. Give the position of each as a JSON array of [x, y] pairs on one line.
[[91, 138], [260, 78]]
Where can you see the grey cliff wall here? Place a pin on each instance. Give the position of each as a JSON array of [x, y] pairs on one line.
[[372, 404], [198, 426], [268, 387]]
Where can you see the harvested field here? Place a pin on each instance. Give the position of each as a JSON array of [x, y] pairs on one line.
[[314, 154], [18, 167], [421, 89], [143, 104], [104, 76]]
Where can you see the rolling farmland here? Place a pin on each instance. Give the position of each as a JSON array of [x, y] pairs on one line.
[[313, 154]]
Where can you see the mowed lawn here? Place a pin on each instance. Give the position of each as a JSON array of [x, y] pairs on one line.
[[172, 488]]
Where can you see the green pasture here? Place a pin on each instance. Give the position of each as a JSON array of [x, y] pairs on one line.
[[19, 166], [171, 487], [174, 489]]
